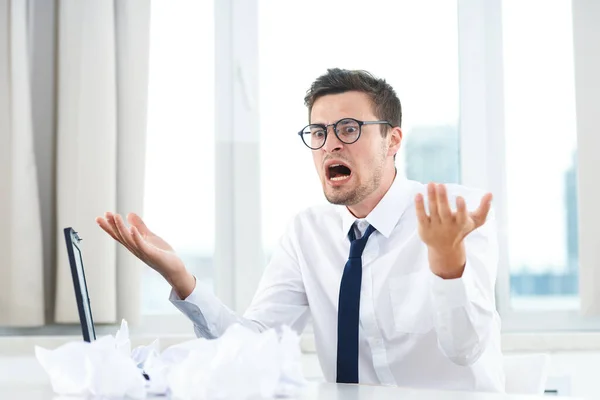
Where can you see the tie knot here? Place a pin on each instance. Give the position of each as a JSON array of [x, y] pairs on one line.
[[358, 245], [365, 236]]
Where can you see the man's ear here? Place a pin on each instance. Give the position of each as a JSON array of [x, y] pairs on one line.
[[395, 138]]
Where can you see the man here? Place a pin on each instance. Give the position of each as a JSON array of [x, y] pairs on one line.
[[398, 295]]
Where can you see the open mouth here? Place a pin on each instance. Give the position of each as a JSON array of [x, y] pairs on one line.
[[338, 172]]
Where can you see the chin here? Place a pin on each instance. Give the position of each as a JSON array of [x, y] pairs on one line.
[[342, 197]]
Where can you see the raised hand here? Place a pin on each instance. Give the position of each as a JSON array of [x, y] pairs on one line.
[[150, 248], [443, 230]]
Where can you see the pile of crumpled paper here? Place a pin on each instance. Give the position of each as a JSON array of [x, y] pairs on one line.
[[241, 364]]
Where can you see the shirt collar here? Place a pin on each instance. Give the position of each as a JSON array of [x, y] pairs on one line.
[[387, 212]]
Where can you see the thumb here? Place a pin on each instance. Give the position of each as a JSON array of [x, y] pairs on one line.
[[135, 220], [480, 215]]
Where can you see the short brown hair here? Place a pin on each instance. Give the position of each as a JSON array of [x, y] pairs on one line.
[[386, 103]]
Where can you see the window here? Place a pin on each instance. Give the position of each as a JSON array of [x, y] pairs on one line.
[[179, 187], [517, 129], [540, 145], [350, 35]]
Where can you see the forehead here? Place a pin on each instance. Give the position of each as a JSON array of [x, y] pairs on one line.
[[333, 107]]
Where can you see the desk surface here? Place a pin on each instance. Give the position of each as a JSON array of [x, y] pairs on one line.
[[320, 391]]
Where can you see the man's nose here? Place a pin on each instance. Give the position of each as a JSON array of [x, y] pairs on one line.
[[332, 144]]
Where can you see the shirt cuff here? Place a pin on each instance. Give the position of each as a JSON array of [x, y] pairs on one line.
[[450, 293], [193, 297], [200, 307]]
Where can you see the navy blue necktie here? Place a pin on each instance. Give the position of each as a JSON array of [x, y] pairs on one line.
[[349, 310]]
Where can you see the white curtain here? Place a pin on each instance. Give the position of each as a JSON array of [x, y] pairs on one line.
[[102, 67], [21, 269]]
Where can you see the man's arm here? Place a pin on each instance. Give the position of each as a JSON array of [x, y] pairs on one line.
[[279, 300], [463, 256], [465, 310]]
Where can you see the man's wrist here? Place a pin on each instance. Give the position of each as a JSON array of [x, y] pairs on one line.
[[182, 282], [447, 263]]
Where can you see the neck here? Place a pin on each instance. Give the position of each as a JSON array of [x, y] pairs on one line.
[[362, 209]]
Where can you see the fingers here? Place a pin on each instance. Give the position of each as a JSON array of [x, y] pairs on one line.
[[479, 216], [135, 220], [103, 223], [434, 215], [108, 224], [148, 250], [125, 234], [461, 211], [111, 221], [443, 205], [421, 213]]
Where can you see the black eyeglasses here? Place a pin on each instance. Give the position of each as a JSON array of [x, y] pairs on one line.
[[347, 131]]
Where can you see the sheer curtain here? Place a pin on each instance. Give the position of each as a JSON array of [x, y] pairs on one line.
[[73, 90], [21, 266]]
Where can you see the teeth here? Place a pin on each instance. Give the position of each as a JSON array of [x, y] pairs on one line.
[[340, 178]]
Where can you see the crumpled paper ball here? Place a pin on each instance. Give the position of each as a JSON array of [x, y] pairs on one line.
[[240, 364], [100, 368]]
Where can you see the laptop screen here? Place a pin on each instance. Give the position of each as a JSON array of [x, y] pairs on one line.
[[79, 283]]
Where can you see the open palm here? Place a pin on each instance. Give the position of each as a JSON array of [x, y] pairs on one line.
[[142, 242], [443, 228]]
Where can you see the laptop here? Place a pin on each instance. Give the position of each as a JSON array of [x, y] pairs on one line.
[[84, 307]]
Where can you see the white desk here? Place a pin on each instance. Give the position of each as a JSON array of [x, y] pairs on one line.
[[322, 391]]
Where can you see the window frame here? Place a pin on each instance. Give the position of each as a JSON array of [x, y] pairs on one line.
[[483, 156], [238, 255], [239, 258]]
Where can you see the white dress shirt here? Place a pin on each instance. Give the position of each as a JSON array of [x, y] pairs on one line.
[[416, 329]]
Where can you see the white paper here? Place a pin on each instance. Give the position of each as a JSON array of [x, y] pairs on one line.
[[66, 367], [101, 368], [241, 364]]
